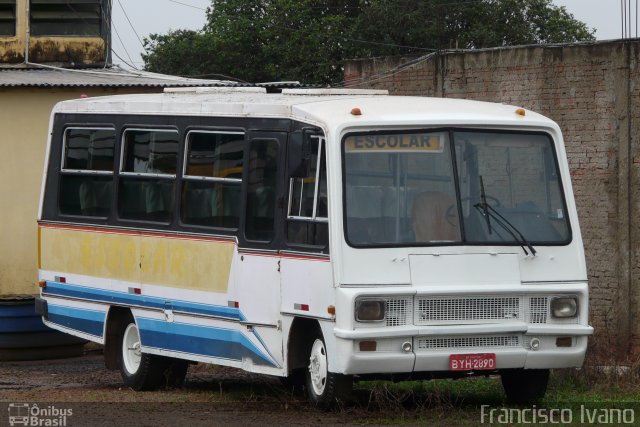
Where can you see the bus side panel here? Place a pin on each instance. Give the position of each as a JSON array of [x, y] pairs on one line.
[[80, 318], [177, 288], [307, 287], [201, 339]]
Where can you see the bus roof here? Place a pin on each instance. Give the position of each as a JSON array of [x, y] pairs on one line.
[[330, 107]]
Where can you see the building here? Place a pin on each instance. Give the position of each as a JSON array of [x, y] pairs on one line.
[[49, 51]]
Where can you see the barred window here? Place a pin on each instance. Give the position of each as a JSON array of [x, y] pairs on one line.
[[7, 17], [66, 17]]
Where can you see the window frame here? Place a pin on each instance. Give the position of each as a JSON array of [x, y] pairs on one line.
[[10, 6], [314, 218], [123, 147], [63, 158], [271, 137], [187, 145], [145, 175], [452, 130], [195, 178], [87, 172], [101, 19]]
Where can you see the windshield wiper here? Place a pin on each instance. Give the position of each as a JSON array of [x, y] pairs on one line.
[[484, 205], [489, 211], [504, 223]]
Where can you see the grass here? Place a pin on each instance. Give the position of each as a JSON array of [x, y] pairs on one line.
[[600, 382], [603, 382]]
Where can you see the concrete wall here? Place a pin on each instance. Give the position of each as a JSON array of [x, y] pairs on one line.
[[593, 92], [24, 121]]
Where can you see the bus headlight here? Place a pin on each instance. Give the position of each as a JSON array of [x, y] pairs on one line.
[[370, 310], [564, 307]]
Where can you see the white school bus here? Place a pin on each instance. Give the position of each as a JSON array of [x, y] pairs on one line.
[[315, 235]]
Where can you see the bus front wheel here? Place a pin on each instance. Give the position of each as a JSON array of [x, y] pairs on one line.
[[142, 371], [524, 386], [325, 388]]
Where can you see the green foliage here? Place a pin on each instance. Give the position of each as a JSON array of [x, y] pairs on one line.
[[308, 40]]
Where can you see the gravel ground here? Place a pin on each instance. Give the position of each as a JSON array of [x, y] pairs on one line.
[[96, 397]]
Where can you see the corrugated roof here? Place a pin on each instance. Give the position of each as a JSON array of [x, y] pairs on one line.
[[109, 77]]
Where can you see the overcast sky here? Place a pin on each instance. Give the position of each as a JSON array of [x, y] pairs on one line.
[[159, 16]]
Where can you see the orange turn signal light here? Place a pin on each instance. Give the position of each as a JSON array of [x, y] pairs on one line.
[[42, 283], [356, 111], [521, 112]]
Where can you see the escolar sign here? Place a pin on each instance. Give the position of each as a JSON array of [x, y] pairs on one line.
[[397, 142]]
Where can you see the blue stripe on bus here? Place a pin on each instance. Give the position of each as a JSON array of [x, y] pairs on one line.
[[200, 340], [113, 297], [88, 321]]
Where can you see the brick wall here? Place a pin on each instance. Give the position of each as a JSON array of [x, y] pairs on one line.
[[593, 92]]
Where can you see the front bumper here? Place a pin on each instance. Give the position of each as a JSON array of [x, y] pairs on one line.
[[513, 322], [432, 346]]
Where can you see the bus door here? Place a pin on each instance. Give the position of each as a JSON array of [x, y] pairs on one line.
[[305, 267], [257, 272]]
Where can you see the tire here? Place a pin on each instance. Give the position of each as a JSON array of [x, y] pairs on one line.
[[142, 371], [325, 389], [525, 386]]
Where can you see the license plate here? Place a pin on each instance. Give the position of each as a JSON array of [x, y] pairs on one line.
[[472, 362]]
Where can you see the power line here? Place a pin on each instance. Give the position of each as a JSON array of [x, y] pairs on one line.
[[188, 5], [129, 21], [392, 45], [121, 59], [388, 73], [123, 45]]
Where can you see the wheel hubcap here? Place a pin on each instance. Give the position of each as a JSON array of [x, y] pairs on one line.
[[131, 354], [318, 367]]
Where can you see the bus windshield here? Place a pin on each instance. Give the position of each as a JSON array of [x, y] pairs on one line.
[[418, 188]]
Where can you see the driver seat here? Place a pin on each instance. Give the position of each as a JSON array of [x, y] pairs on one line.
[[434, 217]]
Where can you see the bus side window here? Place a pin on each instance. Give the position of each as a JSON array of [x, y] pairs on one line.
[[261, 190], [212, 179], [86, 181], [147, 175], [307, 222]]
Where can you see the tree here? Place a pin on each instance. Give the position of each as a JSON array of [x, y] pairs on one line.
[[308, 40], [260, 40], [468, 24]]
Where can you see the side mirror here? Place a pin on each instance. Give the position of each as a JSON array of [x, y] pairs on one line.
[[299, 154]]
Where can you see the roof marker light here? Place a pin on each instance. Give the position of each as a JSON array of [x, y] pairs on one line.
[[356, 111], [520, 112]]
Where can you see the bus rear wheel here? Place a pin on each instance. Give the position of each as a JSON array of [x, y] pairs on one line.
[[524, 386], [141, 371], [325, 388]]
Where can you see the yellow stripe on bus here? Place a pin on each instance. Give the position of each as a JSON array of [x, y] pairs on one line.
[[147, 259]]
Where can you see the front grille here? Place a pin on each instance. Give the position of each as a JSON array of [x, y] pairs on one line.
[[399, 311], [424, 310], [538, 309], [503, 341], [452, 310]]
